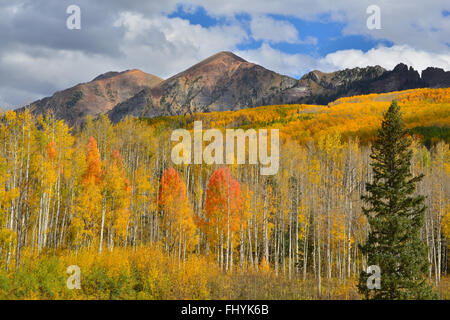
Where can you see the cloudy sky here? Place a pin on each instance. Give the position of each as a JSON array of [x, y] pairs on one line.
[[40, 55]]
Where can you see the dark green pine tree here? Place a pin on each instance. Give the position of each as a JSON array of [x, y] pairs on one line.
[[395, 216]]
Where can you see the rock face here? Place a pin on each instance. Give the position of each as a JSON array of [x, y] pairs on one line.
[[317, 87], [401, 78], [222, 82], [321, 88], [436, 77], [95, 97]]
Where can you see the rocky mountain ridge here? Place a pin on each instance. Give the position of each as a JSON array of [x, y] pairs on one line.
[[223, 82]]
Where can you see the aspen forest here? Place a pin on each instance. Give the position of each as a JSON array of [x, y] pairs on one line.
[[107, 198]]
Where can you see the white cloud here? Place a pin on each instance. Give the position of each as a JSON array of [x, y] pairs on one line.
[[266, 28], [56, 66], [275, 31], [387, 57], [284, 63]]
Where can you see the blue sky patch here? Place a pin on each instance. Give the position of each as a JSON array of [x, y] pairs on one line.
[[329, 34]]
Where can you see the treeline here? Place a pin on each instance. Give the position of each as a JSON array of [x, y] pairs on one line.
[[110, 186]]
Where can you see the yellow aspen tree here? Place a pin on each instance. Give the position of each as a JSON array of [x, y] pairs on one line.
[[115, 202]]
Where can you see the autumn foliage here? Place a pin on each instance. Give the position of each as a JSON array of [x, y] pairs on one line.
[[93, 171], [177, 214], [108, 197], [222, 218], [223, 201]]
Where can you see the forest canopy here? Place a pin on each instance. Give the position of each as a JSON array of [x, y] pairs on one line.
[[108, 198]]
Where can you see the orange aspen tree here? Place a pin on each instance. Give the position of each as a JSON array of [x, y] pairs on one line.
[[89, 206], [223, 213], [177, 216]]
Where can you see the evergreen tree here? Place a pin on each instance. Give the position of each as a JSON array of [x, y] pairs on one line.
[[395, 216]]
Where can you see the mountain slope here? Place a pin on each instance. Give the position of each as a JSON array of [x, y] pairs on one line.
[[223, 81], [95, 97]]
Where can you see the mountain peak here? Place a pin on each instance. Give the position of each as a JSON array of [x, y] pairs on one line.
[[221, 82], [106, 75], [97, 96], [401, 67], [112, 74], [215, 64], [226, 54], [225, 57]]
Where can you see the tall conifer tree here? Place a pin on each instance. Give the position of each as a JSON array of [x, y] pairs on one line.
[[395, 216]]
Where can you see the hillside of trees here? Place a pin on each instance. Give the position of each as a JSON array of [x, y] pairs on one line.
[[108, 199]]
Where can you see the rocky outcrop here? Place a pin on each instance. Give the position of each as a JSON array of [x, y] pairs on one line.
[[400, 78], [436, 77], [320, 88]]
